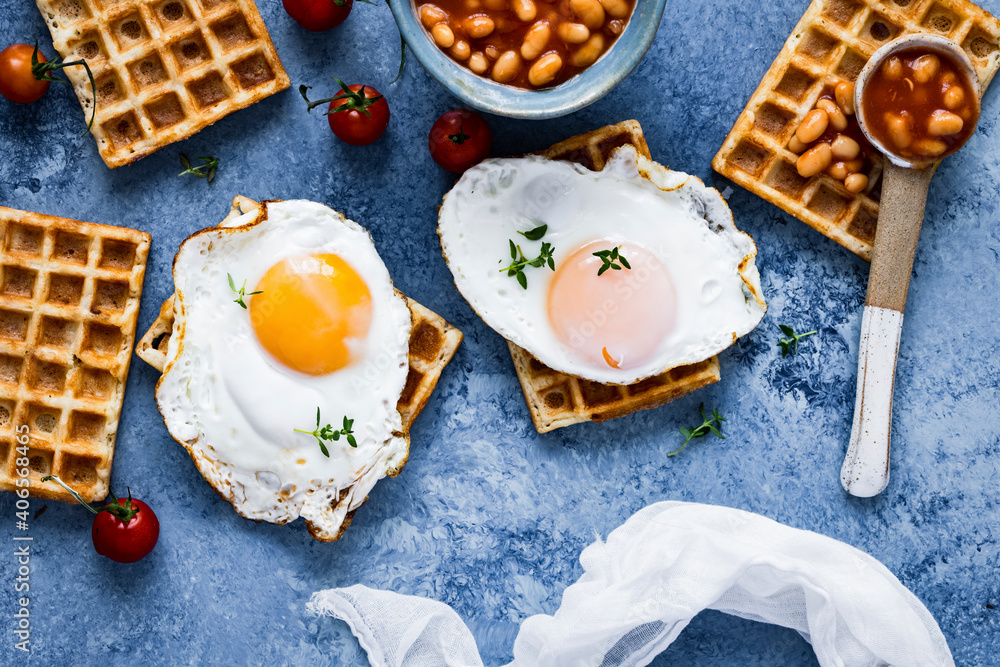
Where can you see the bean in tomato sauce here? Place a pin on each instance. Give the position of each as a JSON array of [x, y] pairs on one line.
[[919, 104], [525, 43]]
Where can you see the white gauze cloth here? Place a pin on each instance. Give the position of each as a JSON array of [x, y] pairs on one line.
[[654, 574]]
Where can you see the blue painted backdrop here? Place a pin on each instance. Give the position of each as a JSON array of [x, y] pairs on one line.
[[489, 516]]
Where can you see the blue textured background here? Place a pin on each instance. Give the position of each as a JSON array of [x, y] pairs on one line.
[[489, 516]]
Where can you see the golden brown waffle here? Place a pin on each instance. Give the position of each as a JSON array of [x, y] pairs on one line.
[[832, 43], [165, 69], [433, 342], [69, 301], [557, 399]]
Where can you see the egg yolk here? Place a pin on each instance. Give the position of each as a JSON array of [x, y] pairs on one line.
[[618, 319], [312, 313]]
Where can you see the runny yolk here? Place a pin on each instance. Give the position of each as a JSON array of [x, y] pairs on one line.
[[312, 314], [618, 319]]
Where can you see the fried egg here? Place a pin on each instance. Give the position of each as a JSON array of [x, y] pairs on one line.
[[323, 331], [613, 276]]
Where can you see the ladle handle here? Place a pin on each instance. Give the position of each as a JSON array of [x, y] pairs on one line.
[[865, 471]]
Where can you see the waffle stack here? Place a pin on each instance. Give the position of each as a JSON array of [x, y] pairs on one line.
[[433, 342], [164, 69], [69, 300], [832, 43], [557, 399]]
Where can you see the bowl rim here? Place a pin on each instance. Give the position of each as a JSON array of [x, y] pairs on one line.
[[574, 94]]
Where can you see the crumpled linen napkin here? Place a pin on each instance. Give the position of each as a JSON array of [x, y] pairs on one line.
[[656, 572]]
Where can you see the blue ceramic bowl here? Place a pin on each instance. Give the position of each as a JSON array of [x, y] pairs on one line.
[[577, 92]]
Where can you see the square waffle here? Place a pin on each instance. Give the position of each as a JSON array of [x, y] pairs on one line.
[[164, 69], [832, 43], [557, 399], [433, 342], [69, 301]]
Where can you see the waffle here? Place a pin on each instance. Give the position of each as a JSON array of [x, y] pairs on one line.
[[433, 342], [69, 301], [165, 69], [832, 43], [557, 399]]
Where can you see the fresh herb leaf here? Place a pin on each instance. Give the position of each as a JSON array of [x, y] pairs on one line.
[[206, 170], [611, 259], [241, 292], [41, 72], [536, 233], [328, 433], [516, 268], [790, 344], [708, 425]]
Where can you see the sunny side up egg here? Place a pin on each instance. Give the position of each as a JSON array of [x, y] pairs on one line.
[[613, 276], [323, 329]]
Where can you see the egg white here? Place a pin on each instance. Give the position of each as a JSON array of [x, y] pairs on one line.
[[236, 407], [686, 225]]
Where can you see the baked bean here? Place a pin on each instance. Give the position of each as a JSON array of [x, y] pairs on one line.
[[460, 50], [944, 124], [526, 10], [545, 69], [573, 33], [535, 40], [506, 66], [856, 183], [591, 12], [443, 36], [616, 8], [616, 26], [492, 52], [813, 126], [844, 92], [472, 5], [899, 130], [589, 52], [430, 15], [795, 145], [814, 160], [837, 118], [855, 165], [838, 170], [845, 148], [477, 63], [893, 68], [929, 147], [479, 26], [926, 68], [954, 97]]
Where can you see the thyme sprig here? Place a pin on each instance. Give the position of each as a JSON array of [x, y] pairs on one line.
[[790, 345], [516, 268], [610, 257], [329, 434], [708, 425], [241, 292], [206, 170]]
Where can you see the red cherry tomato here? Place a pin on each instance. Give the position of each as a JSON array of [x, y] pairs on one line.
[[459, 139], [318, 15], [17, 83], [126, 542], [356, 119]]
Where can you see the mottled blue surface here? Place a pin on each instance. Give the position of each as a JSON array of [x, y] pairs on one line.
[[489, 516]]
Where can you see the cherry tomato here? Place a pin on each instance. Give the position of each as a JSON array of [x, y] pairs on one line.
[[318, 15], [126, 541], [17, 83], [459, 139], [359, 119]]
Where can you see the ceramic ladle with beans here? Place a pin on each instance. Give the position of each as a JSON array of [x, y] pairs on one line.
[[917, 101]]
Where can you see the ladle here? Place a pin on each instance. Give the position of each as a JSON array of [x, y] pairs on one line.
[[905, 184]]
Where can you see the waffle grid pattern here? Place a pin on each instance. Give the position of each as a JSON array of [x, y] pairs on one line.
[[433, 342], [164, 69], [831, 43], [69, 301], [557, 399]]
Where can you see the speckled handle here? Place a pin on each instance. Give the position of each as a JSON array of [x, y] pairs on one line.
[[865, 471]]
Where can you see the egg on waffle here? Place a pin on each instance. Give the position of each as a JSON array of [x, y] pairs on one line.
[[287, 359]]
